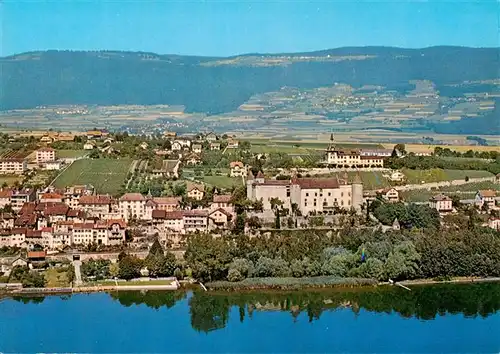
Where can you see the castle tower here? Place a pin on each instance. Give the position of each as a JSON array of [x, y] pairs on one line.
[[249, 182], [357, 193]]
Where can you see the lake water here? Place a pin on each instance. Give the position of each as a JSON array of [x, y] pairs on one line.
[[429, 319]]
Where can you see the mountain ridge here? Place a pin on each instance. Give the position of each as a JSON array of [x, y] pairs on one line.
[[117, 77]]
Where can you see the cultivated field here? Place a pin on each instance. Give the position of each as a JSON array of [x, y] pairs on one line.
[[106, 175], [438, 175]]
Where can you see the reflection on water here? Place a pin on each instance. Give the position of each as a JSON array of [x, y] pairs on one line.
[[210, 311]]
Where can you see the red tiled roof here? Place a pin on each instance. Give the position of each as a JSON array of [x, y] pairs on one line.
[[95, 200], [36, 254], [120, 222], [45, 149], [236, 163], [317, 183], [61, 209], [159, 214], [274, 182], [174, 215], [488, 193], [132, 197], [87, 225], [6, 216], [192, 186], [195, 212], [19, 230], [260, 175], [167, 200], [5, 192], [46, 229], [222, 211], [25, 220], [28, 208], [50, 196], [440, 198], [224, 198], [34, 233]]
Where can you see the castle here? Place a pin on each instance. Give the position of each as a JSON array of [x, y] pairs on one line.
[[311, 195]]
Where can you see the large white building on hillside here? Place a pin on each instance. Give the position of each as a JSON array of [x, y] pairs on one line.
[[311, 195]]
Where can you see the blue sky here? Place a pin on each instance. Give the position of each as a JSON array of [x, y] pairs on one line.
[[217, 27]]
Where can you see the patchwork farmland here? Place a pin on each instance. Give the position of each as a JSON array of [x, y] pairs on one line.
[[106, 175]]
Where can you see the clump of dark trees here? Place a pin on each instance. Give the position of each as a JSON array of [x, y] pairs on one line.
[[422, 248]]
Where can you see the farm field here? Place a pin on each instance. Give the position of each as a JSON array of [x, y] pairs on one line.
[[439, 175], [430, 148], [71, 153], [106, 175], [298, 146]]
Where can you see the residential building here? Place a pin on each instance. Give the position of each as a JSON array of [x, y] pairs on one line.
[[192, 159], [197, 148], [195, 220], [494, 223], [195, 191], [214, 146], [232, 144], [143, 145], [132, 205], [397, 176], [89, 145], [176, 146], [237, 169], [5, 194], [442, 203], [107, 232], [390, 195], [219, 218], [96, 205], [13, 165], [169, 169], [52, 165], [485, 197], [342, 158], [211, 137], [45, 154], [376, 152], [167, 222], [21, 196], [167, 203], [50, 198], [222, 202]]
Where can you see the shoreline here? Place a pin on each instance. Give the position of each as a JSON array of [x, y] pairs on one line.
[[175, 286]]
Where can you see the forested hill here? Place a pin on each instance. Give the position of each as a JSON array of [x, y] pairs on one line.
[[215, 85]]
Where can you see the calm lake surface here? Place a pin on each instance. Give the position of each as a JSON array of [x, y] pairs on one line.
[[429, 319]]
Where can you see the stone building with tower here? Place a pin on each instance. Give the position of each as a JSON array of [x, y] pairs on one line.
[[311, 195]]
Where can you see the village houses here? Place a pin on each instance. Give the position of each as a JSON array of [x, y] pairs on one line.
[[442, 203]]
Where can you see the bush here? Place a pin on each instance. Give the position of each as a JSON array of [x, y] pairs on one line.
[[234, 275], [178, 273], [268, 267], [288, 283]]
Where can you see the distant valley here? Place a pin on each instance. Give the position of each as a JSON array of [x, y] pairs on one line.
[[453, 90]]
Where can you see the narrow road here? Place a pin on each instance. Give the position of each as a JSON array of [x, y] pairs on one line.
[[132, 170], [78, 273]]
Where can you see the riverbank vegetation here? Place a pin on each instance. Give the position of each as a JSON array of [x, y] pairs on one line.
[[422, 249]]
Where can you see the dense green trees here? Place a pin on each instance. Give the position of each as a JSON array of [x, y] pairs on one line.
[[158, 263], [29, 278], [426, 252], [409, 216]]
